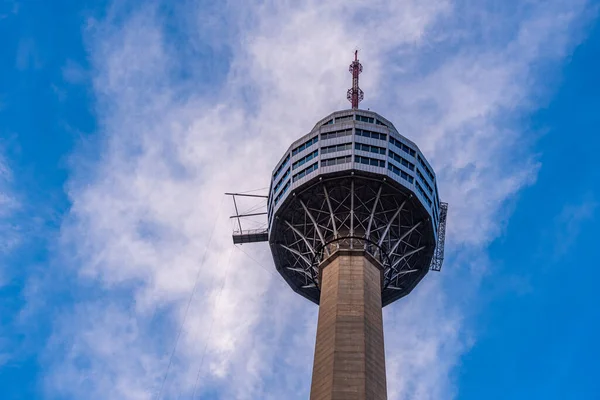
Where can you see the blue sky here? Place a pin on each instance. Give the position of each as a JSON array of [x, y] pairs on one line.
[[122, 123]]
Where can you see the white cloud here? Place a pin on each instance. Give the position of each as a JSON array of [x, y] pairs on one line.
[[569, 222], [74, 73], [10, 238], [144, 213], [9, 205]]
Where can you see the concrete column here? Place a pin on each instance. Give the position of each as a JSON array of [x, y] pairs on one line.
[[349, 359]]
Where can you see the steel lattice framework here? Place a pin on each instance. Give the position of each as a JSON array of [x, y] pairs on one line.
[[354, 213], [355, 94]]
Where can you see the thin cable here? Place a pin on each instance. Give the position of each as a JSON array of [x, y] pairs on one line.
[[212, 321], [277, 276], [190, 300], [255, 190], [262, 204], [279, 279]]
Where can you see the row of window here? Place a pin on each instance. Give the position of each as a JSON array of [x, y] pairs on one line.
[[369, 148], [370, 120], [370, 134], [339, 147], [283, 178], [398, 158], [427, 170], [369, 161], [335, 161], [402, 146], [280, 195], [305, 145], [420, 189], [362, 118], [305, 159], [401, 173], [336, 134], [305, 172], [425, 182], [358, 146], [343, 118], [348, 159], [287, 158]]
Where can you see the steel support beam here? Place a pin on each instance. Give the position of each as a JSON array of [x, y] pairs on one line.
[[398, 241], [237, 213], [410, 253], [310, 247], [314, 222], [368, 232], [296, 252], [333, 224], [300, 270], [409, 271], [387, 228]]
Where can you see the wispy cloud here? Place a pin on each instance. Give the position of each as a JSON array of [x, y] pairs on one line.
[[10, 238], [568, 224], [9, 206], [147, 209]]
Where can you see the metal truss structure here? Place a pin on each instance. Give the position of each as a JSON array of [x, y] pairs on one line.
[[355, 94], [249, 235], [352, 212], [438, 255]]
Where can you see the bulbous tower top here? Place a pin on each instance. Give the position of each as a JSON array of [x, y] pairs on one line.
[[354, 184]]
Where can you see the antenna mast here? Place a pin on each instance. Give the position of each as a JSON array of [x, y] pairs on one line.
[[355, 94]]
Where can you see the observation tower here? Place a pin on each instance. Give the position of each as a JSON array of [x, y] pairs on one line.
[[354, 222]]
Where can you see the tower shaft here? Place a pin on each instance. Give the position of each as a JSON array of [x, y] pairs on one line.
[[349, 359]]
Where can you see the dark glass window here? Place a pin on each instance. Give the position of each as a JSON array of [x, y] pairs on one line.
[[335, 161], [305, 159], [402, 146], [426, 168], [280, 195], [369, 148], [336, 148], [344, 118], [398, 158], [370, 134], [369, 161], [281, 180], [336, 134], [305, 172], [362, 118], [420, 189], [287, 158], [305, 145], [427, 185], [400, 173]]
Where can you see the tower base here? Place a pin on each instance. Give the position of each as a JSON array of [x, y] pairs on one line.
[[349, 359]]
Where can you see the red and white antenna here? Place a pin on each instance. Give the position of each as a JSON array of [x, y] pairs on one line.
[[355, 94]]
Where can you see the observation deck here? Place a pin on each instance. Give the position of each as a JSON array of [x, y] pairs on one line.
[[355, 185]]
